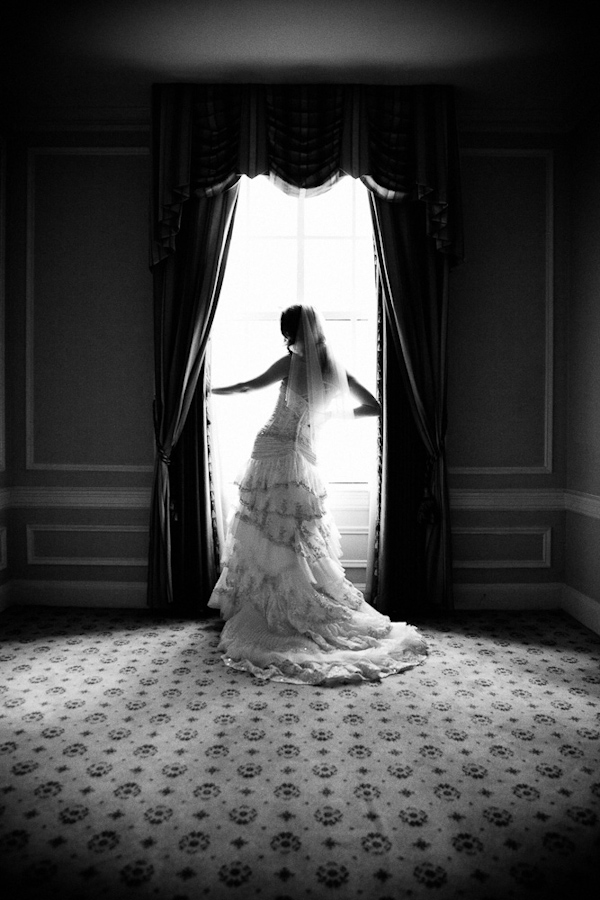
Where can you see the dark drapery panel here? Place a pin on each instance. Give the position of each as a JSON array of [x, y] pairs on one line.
[[414, 288], [399, 587], [399, 140], [186, 290], [194, 531]]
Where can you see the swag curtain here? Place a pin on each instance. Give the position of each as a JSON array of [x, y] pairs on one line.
[[401, 142]]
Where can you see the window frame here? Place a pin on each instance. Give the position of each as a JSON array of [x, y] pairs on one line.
[[245, 229]]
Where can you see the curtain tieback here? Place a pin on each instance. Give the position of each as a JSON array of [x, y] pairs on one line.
[[432, 461], [163, 457], [166, 459], [429, 512]]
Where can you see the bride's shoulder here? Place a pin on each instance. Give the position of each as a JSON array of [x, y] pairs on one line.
[[282, 366]]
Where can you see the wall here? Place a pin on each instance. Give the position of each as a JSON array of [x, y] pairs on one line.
[[74, 491], [507, 392], [79, 358], [583, 429], [4, 494]]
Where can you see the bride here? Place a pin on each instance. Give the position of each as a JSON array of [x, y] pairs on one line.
[[291, 614]]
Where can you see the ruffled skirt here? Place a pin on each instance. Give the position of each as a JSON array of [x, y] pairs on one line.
[[291, 614]]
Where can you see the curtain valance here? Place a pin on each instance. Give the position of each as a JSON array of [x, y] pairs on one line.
[[399, 140]]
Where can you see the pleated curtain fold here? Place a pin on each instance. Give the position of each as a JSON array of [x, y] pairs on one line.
[[402, 143], [186, 290]]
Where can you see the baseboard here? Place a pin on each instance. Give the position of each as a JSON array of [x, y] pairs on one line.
[[532, 597], [581, 607], [85, 594], [508, 596], [132, 595]]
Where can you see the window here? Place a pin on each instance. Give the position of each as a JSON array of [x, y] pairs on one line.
[[286, 250]]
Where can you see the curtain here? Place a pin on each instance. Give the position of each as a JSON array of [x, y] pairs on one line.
[[414, 290], [195, 532], [401, 142], [398, 538], [186, 289]]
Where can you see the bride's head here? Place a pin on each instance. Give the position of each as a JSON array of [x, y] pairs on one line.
[[293, 324]]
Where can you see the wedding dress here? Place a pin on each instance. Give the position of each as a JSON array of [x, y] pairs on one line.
[[291, 614]]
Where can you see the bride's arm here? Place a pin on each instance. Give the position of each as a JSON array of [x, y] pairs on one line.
[[369, 405], [277, 372]]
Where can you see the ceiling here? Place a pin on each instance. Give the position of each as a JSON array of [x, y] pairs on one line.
[[528, 62]]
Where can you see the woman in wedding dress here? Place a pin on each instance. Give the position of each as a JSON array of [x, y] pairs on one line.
[[291, 614]]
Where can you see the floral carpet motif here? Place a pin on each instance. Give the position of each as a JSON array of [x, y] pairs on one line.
[[133, 763]]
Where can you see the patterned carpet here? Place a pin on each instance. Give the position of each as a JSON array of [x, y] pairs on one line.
[[134, 764]]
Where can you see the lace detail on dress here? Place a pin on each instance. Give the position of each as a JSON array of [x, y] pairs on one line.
[[292, 615]]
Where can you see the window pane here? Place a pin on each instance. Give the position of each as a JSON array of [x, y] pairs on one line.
[[236, 422], [265, 275], [357, 461], [340, 335], [241, 350], [270, 211], [330, 214], [364, 365], [355, 344], [261, 279], [328, 277]]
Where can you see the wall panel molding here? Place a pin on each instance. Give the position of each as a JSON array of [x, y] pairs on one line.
[[347, 498], [528, 499], [55, 118], [507, 499], [36, 559], [31, 462], [80, 498], [139, 498], [546, 466], [544, 561], [584, 504]]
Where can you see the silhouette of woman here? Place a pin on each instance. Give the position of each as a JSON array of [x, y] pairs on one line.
[[291, 614]]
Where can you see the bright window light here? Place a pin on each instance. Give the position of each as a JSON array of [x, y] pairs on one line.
[[286, 250]]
